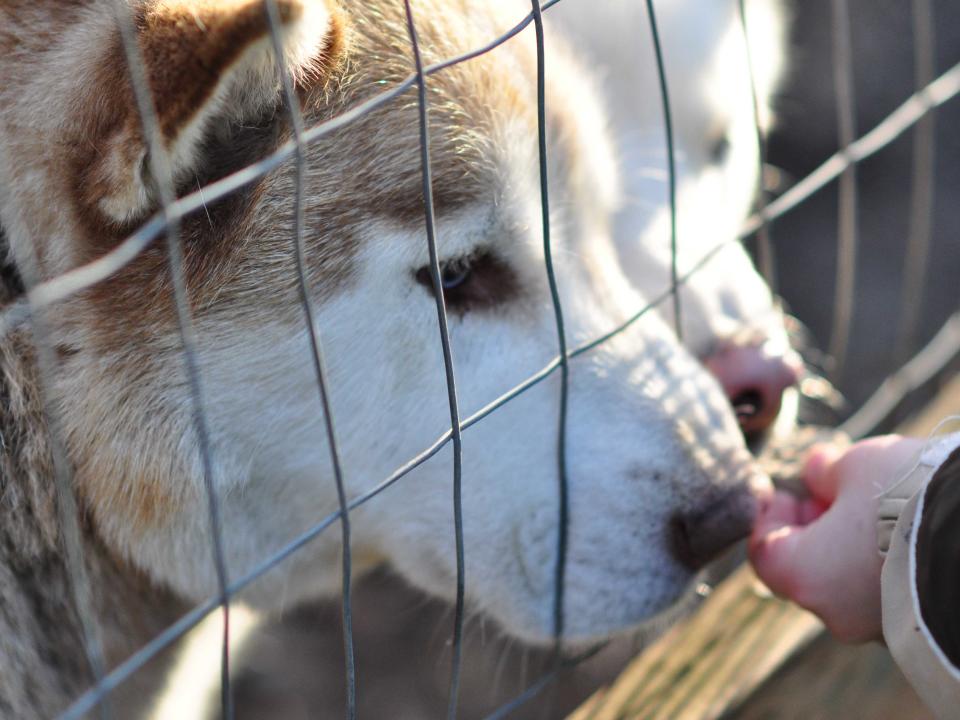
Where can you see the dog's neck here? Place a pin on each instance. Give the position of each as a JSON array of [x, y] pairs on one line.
[[46, 668]]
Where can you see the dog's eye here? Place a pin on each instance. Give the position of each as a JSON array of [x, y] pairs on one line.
[[480, 280], [719, 149], [454, 274]]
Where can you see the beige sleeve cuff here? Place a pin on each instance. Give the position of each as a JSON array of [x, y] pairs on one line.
[[928, 670], [894, 500]]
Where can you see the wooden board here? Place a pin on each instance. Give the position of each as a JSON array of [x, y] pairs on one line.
[[829, 681], [701, 668]]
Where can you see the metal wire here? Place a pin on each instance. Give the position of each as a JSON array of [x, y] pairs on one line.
[[918, 105], [70, 533], [48, 292], [943, 349], [455, 429], [563, 495], [845, 290], [317, 357], [543, 682], [922, 189], [765, 253], [671, 163], [43, 294], [162, 176], [136, 661]]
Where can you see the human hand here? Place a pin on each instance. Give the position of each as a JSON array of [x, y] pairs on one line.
[[821, 552]]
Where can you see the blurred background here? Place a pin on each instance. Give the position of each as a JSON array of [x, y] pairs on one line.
[[806, 134]]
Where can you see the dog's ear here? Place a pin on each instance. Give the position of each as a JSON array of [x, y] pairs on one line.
[[207, 62]]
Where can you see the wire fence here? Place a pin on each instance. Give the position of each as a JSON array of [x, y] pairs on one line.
[[931, 92]]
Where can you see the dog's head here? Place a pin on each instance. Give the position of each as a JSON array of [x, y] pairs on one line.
[[717, 98], [658, 476]]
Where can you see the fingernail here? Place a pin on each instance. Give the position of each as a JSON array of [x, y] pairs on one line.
[[819, 459]]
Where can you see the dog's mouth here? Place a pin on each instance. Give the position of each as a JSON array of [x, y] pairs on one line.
[[810, 414], [775, 385], [748, 405], [778, 399]]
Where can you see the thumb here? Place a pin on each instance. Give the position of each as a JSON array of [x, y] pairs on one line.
[[799, 562], [818, 472]]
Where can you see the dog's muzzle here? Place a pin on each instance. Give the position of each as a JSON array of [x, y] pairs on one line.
[[754, 378]]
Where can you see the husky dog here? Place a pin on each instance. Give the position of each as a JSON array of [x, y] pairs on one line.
[[659, 478], [729, 319]]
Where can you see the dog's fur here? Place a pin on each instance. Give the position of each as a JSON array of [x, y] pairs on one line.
[[709, 83], [650, 434]]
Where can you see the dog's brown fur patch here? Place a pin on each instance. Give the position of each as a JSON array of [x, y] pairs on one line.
[[188, 45]]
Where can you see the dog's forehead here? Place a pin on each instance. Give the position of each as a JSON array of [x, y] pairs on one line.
[[472, 107]]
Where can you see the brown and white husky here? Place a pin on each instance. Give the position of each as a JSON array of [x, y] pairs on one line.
[[659, 477]]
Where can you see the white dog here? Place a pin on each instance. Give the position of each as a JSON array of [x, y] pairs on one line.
[[659, 478]]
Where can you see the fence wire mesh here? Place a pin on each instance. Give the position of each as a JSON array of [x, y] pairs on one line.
[[41, 295]]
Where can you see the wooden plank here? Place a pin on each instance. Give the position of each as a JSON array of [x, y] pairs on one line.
[[700, 668], [829, 681]]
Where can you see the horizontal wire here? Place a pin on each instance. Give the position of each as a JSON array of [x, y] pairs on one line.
[[84, 276], [944, 88], [526, 696], [934, 357]]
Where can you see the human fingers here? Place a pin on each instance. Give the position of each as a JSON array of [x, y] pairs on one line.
[[803, 562], [829, 567], [819, 474]]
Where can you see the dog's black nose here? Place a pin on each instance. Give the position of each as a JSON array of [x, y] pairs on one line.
[[698, 537]]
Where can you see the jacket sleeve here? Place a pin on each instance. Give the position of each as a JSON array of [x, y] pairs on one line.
[[919, 531]]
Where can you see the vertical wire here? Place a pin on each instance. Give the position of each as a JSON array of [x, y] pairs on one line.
[[316, 353], [765, 252], [455, 429], [672, 166], [847, 223], [71, 536], [922, 187], [563, 519], [162, 176]]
